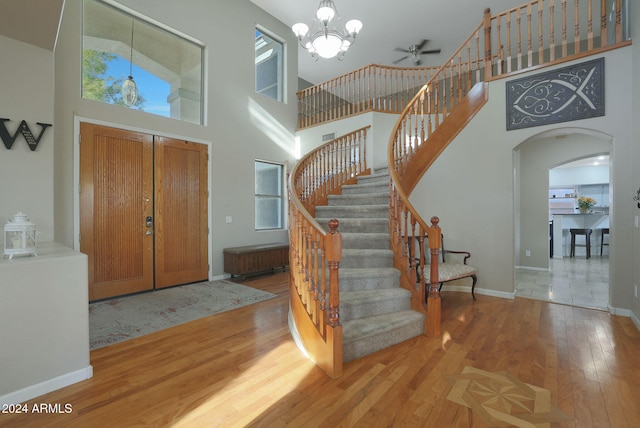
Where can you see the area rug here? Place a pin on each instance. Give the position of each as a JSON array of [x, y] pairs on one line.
[[123, 318]]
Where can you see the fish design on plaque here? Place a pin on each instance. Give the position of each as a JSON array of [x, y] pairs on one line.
[[562, 95]]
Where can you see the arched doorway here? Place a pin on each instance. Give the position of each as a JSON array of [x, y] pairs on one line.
[[569, 280]]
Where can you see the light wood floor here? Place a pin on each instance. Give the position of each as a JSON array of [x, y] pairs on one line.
[[241, 368]]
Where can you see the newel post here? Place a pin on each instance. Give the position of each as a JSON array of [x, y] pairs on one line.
[[433, 301], [487, 43], [333, 248]]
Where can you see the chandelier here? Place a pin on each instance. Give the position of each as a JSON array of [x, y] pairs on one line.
[[323, 38]]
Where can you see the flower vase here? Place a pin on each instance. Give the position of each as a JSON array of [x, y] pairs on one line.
[[584, 210]]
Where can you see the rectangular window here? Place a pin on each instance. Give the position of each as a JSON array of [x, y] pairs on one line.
[[166, 67], [269, 66], [269, 195]]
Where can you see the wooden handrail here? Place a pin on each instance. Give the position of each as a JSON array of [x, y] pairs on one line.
[[314, 253], [456, 92]]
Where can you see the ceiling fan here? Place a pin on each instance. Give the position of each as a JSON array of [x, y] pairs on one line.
[[415, 52]]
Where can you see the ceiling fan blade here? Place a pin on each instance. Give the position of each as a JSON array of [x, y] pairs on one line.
[[431, 51], [421, 44], [401, 59], [401, 50]]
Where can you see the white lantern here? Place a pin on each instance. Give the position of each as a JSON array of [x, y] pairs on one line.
[[19, 236]]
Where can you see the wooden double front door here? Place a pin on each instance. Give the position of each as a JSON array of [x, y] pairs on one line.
[[143, 210]]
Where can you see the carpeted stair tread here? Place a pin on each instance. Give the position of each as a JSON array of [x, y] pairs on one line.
[[349, 189], [353, 211], [366, 258], [358, 225], [364, 336], [357, 199], [354, 279], [359, 304], [365, 240]]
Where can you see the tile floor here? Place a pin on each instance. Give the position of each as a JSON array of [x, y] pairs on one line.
[[573, 281]]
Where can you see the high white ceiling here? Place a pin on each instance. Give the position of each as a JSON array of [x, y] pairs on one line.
[[387, 25], [31, 21]]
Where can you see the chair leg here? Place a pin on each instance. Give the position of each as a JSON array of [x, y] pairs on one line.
[[473, 286]]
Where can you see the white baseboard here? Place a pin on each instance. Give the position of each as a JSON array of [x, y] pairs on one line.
[[47, 386], [467, 289], [537, 269]]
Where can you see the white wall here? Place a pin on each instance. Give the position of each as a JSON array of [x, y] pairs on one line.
[[475, 197], [590, 174], [635, 157], [44, 339], [240, 125], [26, 90], [377, 137]]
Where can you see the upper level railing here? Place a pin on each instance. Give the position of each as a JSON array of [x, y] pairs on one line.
[[536, 34], [314, 252], [370, 88]]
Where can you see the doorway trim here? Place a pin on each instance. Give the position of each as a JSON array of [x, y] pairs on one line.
[[76, 174]]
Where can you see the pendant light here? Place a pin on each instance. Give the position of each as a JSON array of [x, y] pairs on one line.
[[129, 87]]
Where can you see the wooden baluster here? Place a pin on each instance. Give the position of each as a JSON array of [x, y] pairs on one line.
[[436, 107], [564, 28], [576, 38], [487, 43], [552, 31], [589, 26], [519, 26], [333, 247], [434, 303], [603, 24], [461, 91], [469, 71], [508, 19], [499, 70], [618, 21], [540, 41], [370, 88], [385, 93], [529, 37], [412, 255]]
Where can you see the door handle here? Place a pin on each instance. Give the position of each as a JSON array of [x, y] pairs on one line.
[[149, 221], [149, 232]]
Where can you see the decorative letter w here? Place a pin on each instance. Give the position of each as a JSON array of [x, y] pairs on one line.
[[23, 129]]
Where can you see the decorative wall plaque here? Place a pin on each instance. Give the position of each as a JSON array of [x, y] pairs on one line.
[[23, 129], [561, 95]]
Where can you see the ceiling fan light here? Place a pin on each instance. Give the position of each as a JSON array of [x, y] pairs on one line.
[[300, 29], [353, 26]]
